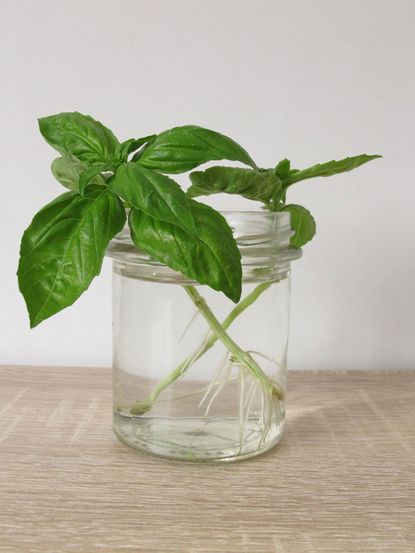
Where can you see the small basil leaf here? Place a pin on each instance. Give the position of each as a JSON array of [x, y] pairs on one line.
[[282, 170], [211, 258], [74, 134], [183, 148], [90, 173], [68, 171], [129, 146], [261, 186], [157, 195], [303, 224], [62, 249], [329, 168]]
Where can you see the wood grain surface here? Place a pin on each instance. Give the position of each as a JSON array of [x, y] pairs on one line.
[[342, 479]]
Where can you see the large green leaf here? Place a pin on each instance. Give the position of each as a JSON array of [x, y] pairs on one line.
[[211, 258], [68, 172], [62, 249], [155, 194], [303, 224], [78, 135], [183, 148], [328, 169], [254, 185]]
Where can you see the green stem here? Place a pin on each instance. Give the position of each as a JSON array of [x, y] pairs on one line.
[[145, 405], [238, 309], [243, 357]]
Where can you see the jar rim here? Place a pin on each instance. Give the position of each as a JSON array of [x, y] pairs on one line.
[[251, 229], [252, 211]]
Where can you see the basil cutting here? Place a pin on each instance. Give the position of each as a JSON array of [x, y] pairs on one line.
[[63, 248]]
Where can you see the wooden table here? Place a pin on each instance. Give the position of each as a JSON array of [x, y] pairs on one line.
[[342, 479]]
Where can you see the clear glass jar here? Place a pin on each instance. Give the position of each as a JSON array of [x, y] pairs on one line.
[[197, 377]]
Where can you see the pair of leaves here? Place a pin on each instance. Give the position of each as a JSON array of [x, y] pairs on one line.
[[188, 236], [176, 150], [81, 138], [63, 248], [88, 148], [262, 186], [265, 185], [269, 187]]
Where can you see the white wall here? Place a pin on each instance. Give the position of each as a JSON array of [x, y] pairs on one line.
[[308, 79]]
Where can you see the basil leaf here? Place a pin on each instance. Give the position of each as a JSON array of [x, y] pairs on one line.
[[183, 148], [329, 168], [68, 171], [282, 170], [90, 173], [254, 185], [130, 145], [62, 249], [211, 258], [302, 222], [74, 134], [157, 195]]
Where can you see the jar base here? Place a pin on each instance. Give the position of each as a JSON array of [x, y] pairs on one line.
[[197, 439]]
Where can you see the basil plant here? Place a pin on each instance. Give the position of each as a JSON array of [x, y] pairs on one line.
[[109, 181]]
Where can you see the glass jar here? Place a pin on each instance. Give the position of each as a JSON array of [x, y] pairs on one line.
[[197, 377]]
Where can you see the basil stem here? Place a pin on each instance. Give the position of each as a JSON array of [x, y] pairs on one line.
[[243, 357], [145, 405]]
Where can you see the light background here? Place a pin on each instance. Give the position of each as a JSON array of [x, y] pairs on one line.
[[310, 80]]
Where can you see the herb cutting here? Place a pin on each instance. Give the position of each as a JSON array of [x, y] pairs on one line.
[[110, 183]]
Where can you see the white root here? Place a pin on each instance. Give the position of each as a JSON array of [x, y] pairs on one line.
[[189, 324], [215, 377], [241, 407], [267, 424], [267, 357], [220, 387], [250, 399]]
